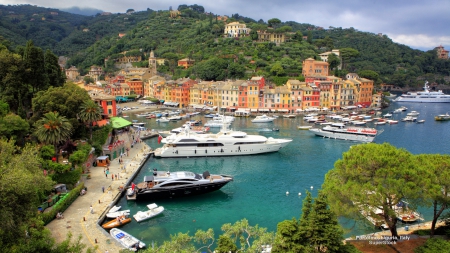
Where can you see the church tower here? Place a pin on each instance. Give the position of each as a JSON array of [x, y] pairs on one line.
[[152, 63]]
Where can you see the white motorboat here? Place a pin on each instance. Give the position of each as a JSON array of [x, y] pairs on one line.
[[442, 117], [387, 115], [425, 96], [144, 114], [153, 210], [225, 143], [263, 119], [344, 133], [138, 124], [162, 120], [114, 209], [126, 240], [413, 113], [304, 127], [174, 118], [409, 119], [289, 116], [116, 214]]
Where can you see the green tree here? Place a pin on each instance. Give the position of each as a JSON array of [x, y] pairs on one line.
[[277, 69], [369, 74], [13, 126], [433, 245], [35, 72], [251, 238], [436, 191], [334, 61], [90, 113], [325, 232], [52, 129], [273, 22], [347, 54], [225, 245], [54, 73], [371, 176], [23, 186]]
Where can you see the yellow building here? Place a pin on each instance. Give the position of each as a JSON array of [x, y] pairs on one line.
[[235, 29], [265, 36], [252, 95], [312, 67]]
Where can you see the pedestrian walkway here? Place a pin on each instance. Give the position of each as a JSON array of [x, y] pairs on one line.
[[78, 219]]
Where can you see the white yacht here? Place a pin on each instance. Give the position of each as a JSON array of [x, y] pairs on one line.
[[262, 119], [341, 132], [425, 96], [225, 143]]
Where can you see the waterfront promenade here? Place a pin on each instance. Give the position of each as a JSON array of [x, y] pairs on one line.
[[78, 218]]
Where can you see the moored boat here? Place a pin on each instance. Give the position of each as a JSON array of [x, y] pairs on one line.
[[225, 143], [304, 127], [119, 221], [166, 185], [263, 119], [347, 133], [126, 240], [153, 210], [425, 96], [116, 214], [442, 117]]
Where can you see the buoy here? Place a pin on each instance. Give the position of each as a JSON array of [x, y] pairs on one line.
[[299, 194], [287, 193], [312, 187]]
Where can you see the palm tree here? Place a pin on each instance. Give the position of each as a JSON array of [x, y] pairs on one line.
[[90, 113], [52, 129]]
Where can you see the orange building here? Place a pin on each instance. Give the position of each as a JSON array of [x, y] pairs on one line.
[[243, 96], [312, 67], [441, 52], [186, 63]]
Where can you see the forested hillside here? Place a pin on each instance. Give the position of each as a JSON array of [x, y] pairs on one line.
[[198, 35]]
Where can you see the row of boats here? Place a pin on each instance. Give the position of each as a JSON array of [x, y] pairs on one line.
[[120, 218]]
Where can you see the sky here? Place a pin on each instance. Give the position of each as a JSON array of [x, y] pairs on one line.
[[418, 24]]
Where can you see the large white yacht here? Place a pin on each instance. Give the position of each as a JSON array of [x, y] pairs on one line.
[[425, 96], [225, 143], [339, 131]]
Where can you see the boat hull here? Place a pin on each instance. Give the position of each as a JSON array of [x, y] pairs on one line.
[[342, 136], [423, 100], [226, 150], [168, 193]]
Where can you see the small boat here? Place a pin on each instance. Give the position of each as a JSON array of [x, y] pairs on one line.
[[119, 221], [144, 114], [304, 127], [153, 210], [380, 123], [290, 116], [151, 116], [421, 121], [275, 129], [391, 122], [114, 209], [413, 113], [162, 120], [174, 118], [262, 119], [387, 115], [442, 117], [115, 214], [138, 124], [126, 240], [409, 119]]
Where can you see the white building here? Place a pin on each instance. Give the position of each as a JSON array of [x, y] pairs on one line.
[[235, 29]]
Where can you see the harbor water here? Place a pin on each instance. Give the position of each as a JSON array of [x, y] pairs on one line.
[[261, 182]]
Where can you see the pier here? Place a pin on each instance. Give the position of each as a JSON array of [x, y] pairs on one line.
[[102, 193]]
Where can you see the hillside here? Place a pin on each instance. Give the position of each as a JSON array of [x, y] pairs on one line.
[[198, 35]]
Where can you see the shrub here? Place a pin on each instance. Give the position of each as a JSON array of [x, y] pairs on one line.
[[69, 178], [62, 204]]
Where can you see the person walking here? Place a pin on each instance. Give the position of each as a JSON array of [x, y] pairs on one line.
[[92, 209], [103, 189]]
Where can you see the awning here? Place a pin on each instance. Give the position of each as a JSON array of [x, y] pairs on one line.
[[253, 110], [273, 110], [263, 110], [118, 122], [299, 110], [283, 110], [232, 108]]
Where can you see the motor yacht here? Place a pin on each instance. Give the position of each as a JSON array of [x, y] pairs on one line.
[[167, 185], [263, 119], [225, 143]]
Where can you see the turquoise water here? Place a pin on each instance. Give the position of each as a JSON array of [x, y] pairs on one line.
[[258, 192]]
